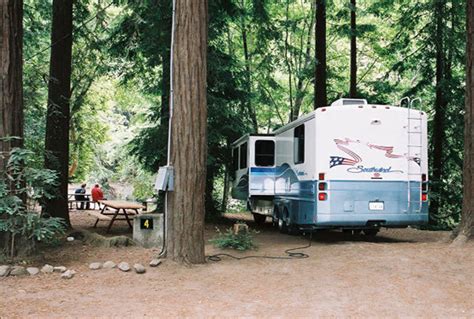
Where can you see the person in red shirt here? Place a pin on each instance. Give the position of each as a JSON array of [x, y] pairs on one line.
[[97, 193]]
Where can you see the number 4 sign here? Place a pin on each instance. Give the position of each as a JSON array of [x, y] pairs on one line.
[[146, 223]]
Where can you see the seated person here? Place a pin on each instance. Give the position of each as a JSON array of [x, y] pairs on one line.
[[97, 193], [79, 196]]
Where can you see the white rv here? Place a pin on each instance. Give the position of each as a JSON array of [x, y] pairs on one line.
[[353, 165], [254, 170]]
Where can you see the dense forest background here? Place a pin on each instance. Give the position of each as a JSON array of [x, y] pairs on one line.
[[261, 66]]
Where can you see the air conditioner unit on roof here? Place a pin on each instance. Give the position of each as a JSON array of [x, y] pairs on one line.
[[349, 102]]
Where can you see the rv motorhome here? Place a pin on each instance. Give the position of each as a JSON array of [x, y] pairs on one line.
[[353, 165]]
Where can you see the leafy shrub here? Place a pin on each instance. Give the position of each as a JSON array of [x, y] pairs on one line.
[[21, 189], [241, 241]]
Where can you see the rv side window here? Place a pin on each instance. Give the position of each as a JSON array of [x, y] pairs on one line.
[[264, 153], [299, 144], [243, 156], [235, 159]]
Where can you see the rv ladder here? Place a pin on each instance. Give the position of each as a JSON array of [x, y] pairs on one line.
[[415, 146]]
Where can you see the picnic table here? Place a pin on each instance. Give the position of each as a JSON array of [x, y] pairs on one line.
[[116, 210]]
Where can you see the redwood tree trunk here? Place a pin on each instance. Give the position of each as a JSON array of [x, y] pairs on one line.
[[11, 79], [11, 85], [467, 216], [58, 114], [320, 80], [353, 75], [186, 210], [440, 109]]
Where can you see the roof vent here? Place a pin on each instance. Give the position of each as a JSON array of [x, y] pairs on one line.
[[349, 102]]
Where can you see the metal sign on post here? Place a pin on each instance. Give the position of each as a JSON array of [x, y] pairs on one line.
[[164, 179]]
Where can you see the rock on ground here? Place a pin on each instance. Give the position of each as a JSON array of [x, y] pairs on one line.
[[68, 274], [33, 271], [60, 269], [155, 262], [47, 269], [95, 266], [109, 265], [18, 271], [4, 270], [139, 268], [123, 266]]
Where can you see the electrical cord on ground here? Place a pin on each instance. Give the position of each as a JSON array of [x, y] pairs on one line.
[[290, 254]]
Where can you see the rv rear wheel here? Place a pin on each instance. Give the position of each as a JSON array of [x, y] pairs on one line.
[[259, 219], [282, 226]]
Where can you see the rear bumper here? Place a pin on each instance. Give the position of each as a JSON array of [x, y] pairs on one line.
[[359, 220]]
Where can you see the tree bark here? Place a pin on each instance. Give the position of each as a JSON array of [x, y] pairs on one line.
[[320, 80], [440, 108], [225, 193], [11, 80], [467, 216], [58, 113], [11, 86], [186, 210], [353, 75]]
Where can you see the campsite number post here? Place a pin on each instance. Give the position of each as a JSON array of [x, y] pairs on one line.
[[146, 223]]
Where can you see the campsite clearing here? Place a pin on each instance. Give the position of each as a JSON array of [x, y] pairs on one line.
[[400, 273]]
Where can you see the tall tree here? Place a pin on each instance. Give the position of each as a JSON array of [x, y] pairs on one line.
[[353, 75], [320, 77], [467, 215], [441, 102], [11, 79], [58, 113], [11, 83], [185, 232]]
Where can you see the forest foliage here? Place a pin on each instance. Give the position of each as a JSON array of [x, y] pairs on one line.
[[260, 77]]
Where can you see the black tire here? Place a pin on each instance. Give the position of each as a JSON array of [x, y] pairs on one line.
[[282, 225], [259, 219], [371, 232], [282, 221]]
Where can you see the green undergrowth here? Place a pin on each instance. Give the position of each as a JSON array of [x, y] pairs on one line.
[[228, 239]]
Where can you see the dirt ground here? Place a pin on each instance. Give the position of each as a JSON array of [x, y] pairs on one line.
[[400, 273]]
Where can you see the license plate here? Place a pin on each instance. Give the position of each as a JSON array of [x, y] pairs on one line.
[[376, 206]]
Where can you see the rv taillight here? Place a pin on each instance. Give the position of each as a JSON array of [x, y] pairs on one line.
[[322, 186], [424, 197], [321, 176], [423, 177], [322, 196]]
